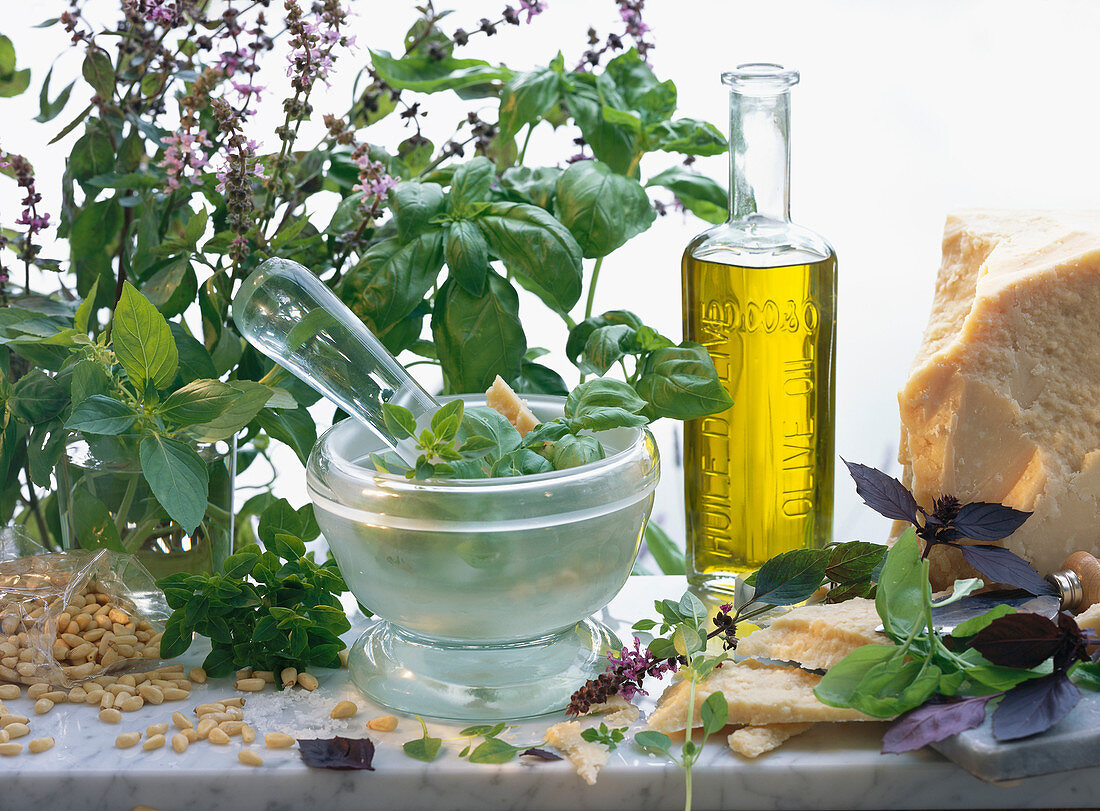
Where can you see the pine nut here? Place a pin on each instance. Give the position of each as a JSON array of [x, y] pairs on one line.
[[249, 758], [244, 673], [151, 694], [267, 675], [204, 727], [127, 740], [235, 701], [156, 729], [343, 654], [248, 734], [175, 694], [307, 681], [181, 721], [35, 691], [197, 675], [8, 720], [4, 737], [10, 749], [203, 709], [8, 692], [94, 697], [180, 742], [278, 740], [40, 745], [218, 737], [56, 696], [132, 704], [17, 730], [289, 676], [110, 716], [107, 700], [345, 709], [386, 723], [191, 735], [231, 728], [155, 742], [128, 680], [42, 706], [250, 685]]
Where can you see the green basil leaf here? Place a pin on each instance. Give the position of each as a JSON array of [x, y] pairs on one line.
[[840, 683], [714, 713], [98, 71], [84, 312], [526, 97], [172, 289], [142, 341], [470, 184], [245, 400], [535, 186], [699, 194], [293, 427], [623, 118], [578, 336], [600, 208], [537, 249], [681, 382], [605, 346], [482, 421], [415, 153], [467, 255], [688, 136], [92, 154], [99, 414], [446, 420], [241, 564], [36, 397], [534, 378], [891, 688], [573, 451], [855, 560], [604, 403], [478, 337], [973, 625], [414, 206], [611, 143], [392, 279], [198, 401], [426, 748], [288, 547], [423, 74], [790, 577], [655, 741], [520, 462], [45, 444], [900, 597], [398, 420], [668, 554], [494, 750], [178, 478], [194, 361], [92, 523], [88, 378], [176, 639]]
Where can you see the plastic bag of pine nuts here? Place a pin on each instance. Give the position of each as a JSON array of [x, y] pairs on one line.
[[70, 616]]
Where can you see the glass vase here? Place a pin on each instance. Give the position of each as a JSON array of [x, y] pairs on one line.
[[106, 502]]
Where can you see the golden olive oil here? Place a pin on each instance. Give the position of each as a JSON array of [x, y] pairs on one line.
[[759, 476]]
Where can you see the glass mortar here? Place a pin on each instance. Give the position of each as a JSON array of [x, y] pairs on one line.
[[483, 590]]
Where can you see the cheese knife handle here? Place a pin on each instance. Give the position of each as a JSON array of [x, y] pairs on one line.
[[1087, 569]]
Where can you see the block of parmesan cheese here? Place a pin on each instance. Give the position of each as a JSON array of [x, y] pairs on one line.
[[501, 398], [1090, 618], [586, 756], [754, 741], [757, 694], [816, 636], [1003, 400]]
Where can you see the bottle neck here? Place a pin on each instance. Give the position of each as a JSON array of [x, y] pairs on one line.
[[760, 156]]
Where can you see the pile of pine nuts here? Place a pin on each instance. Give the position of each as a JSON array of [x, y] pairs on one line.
[[63, 641]]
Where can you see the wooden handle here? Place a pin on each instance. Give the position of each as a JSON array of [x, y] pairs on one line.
[[1087, 569]]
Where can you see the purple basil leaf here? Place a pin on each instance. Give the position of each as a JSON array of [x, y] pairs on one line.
[[337, 753], [883, 494], [541, 754], [983, 521], [932, 722], [1034, 706], [999, 565], [1018, 640]]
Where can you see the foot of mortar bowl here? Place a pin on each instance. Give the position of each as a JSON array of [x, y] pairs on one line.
[[483, 589]]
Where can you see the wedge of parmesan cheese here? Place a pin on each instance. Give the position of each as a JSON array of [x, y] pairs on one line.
[[816, 636], [1090, 618], [1003, 401], [501, 398], [758, 694], [754, 741]]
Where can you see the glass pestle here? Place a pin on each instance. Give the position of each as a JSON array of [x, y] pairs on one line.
[[289, 314]]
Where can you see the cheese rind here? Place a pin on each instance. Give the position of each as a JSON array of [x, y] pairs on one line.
[[1003, 400], [816, 636]]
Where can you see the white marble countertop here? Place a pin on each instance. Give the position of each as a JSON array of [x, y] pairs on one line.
[[832, 766]]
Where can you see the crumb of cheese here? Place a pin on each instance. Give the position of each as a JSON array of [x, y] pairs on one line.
[[501, 398], [586, 756], [617, 712], [1090, 618], [755, 741], [816, 636], [757, 694]]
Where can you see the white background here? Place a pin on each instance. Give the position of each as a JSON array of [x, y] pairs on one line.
[[907, 110]]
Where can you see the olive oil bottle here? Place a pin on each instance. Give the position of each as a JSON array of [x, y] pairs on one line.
[[759, 292]]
